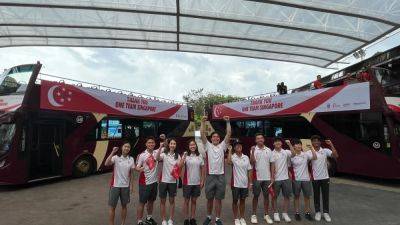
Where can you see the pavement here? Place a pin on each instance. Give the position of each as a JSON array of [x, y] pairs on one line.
[[67, 201]]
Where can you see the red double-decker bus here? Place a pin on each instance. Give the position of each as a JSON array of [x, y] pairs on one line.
[[51, 128], [357, 108]]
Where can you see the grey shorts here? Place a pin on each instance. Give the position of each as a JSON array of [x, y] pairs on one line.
[[285, 185], [304, 186], [259, 186], [118, 193], [148, 192], [215, 187], [191, 191], [167, 188], [239, 193]]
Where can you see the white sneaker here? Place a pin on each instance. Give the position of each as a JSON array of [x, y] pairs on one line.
[[237, 222], [242, 221], [268, 219], [253, 219], [318, 216], [164, 222], [276, 217], [170, 222], [286, 217], [327, 217]]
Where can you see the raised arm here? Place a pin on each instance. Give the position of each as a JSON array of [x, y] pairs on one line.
[[291, 148], [228, 130], [182, 161], [252, 156], [108, 161], [313, 152], [229, 158], [203, 129], [158, 156], [335, 154]]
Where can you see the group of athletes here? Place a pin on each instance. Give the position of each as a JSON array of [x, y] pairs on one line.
[[266, 171]]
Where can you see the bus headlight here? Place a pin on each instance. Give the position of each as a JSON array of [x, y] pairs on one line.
[[2, 163]]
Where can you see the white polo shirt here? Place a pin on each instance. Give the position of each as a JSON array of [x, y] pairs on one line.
[[169, 162], [147, 176], [281, 160], [241, 166], [192, 173], [215, 157], [122, 170], [262, 169], [300, 166], [320, 166]]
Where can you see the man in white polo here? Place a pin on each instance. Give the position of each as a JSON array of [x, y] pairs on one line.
[[261, 158], [215, 181]]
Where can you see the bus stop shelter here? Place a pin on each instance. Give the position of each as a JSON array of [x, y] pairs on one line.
[[316, 32]]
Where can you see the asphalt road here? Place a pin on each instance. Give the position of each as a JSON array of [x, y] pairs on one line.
[[83, 201]]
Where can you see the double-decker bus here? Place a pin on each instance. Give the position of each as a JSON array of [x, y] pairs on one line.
[[357, 108], [51, 128]]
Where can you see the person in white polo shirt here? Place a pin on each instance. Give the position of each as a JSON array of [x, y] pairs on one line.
[[281, 160], [261, 159], [193, 181], [321, 176], [122, 179], [241, 181], [301, 177], [215, 181], [147, 166], [168, 181]]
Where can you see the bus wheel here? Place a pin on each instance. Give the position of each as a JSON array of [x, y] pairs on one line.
[[83, 166], [332, 169]]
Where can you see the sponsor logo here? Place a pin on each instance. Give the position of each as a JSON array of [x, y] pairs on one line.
[[376, 145]]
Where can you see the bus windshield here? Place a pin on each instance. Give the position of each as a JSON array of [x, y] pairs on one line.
[[389, 77], [15, 80], [7, 132]]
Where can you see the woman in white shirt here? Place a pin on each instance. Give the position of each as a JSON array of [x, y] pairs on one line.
[[169, 176], [193, 180]]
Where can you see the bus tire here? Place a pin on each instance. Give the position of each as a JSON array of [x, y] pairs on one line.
[[332, 167], [83, 166]]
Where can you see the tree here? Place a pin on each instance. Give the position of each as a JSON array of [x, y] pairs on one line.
[[202, 102]]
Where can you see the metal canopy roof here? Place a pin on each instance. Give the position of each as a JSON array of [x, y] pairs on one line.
[[313, 32]]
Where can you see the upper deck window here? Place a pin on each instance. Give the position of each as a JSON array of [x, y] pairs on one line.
[[15, 80]]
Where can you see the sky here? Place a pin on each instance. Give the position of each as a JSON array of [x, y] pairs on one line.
[[171, 74]]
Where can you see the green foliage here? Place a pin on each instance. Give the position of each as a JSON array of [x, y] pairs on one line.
[[202, 102]]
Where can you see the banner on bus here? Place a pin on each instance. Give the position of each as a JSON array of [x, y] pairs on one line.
[[60, 96], [333, 99], [10, 103]]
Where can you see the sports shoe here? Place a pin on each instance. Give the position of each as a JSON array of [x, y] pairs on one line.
[[170, 222], [327, 217], [164, 222], [253, 219], [297, 217], [237, 222], [140, 223], [308, 216], [192, 222], [268, 219], [276, 217], [219, 222], [318, 216], [242, 221], [150, 221], [286, 217], [186, 222], [207, 221]]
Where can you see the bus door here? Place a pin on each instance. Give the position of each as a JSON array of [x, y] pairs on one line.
[[47, 149]]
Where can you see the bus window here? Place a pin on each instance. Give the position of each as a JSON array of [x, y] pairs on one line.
[[114, 129], [278, 131], [103, 129], [149, 128], [253, 127], [238, 128]]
